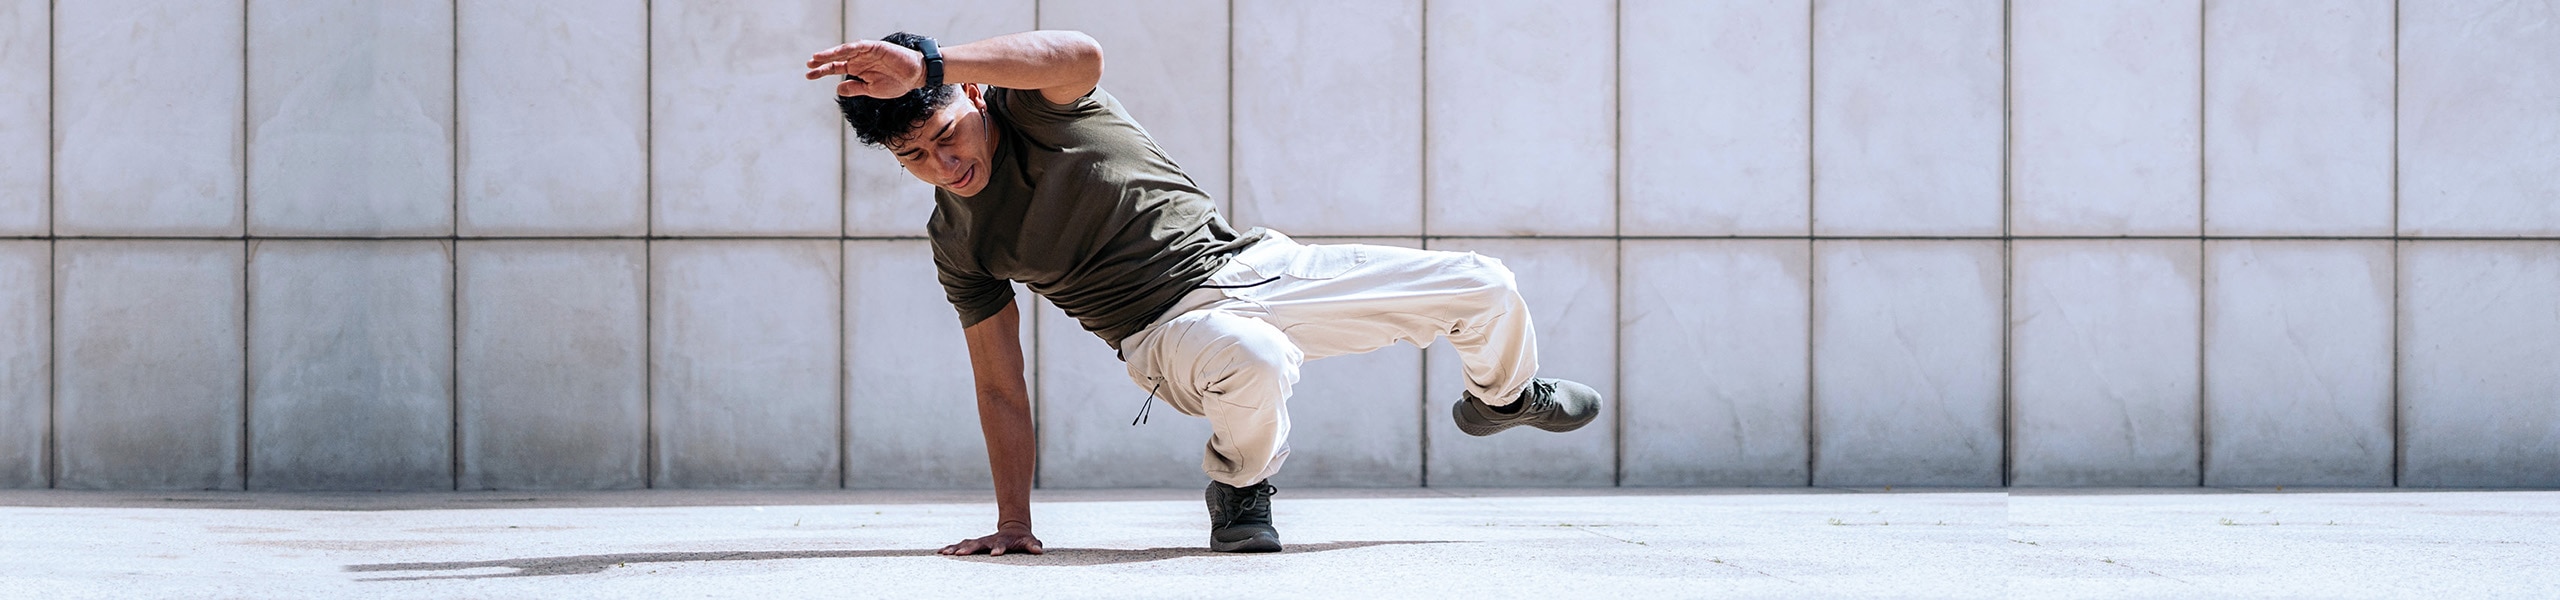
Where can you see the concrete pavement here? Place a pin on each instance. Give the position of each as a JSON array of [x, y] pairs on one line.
[[1794, 542]]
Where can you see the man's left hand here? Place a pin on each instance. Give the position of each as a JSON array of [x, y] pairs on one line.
[[879, 69]]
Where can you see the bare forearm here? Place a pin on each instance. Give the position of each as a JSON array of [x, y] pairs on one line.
[[1004, 418], [1061, 64]]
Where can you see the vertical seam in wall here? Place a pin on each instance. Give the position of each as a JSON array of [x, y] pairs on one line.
[[1423, 405], [52, 258], [1618, 241], [2008, 241], [52, 364], [247, 247], [453, 247], [1812, 418], [2204, 425], [2399, 441]]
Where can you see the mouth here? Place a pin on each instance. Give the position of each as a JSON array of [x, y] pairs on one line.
[[966, 176]]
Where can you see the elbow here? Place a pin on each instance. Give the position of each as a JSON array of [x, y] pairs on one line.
[[1089, 52], [1085, 51]]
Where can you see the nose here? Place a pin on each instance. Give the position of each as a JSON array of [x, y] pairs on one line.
[[950, 164]]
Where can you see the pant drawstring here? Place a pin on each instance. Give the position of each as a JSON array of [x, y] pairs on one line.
[[1147, 404]]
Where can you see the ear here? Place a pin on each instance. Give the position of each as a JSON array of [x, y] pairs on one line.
[[977, 96]]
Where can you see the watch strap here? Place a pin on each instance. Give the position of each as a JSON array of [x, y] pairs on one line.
[[932, 60]]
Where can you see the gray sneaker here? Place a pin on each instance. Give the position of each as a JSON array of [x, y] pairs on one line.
[[1240, 518], [1550, 404]]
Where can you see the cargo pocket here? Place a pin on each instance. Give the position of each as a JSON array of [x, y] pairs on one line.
[[1326, 262]]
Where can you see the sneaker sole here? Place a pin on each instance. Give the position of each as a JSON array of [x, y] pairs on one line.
[[1260, 542], [1458, 412]]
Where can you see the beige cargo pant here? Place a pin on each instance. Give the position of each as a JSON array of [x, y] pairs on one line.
[[1230, 350]]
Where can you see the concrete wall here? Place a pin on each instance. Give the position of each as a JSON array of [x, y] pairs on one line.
[[471, 244]]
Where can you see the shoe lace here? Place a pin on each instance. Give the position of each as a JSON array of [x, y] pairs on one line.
[[1247, 502], [1538, 394]]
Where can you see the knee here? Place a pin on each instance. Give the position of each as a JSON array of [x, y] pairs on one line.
[[1485, 278], [1248, 349]]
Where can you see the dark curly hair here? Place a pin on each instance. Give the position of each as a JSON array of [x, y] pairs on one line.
[[876, 121]]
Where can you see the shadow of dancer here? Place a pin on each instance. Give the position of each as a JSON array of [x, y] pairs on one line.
[[598, 563]]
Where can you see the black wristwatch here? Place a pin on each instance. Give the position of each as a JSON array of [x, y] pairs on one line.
[[932, 59]]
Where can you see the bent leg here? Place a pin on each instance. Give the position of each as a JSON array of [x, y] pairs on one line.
[[1233, 369], [1378, 295]]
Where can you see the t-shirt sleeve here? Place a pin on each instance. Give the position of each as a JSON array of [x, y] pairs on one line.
[[973, 292], [1032, 113]]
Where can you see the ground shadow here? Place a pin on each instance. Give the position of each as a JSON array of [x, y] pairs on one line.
[[597, 563]]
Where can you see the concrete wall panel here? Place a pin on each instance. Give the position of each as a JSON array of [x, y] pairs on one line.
[[114, 108], [152, 357], [744, 362], [1168, 63], [1571, 287], [2297, 119], [1086, 405], [350, 365], [553, 121], [2103, 365], [2478, 136], [1504, 159], [2297, 371], [26, 389], [26, 117], [351, 117], [1714, 339], [1906, 363], [550, 366], [880, 198], [2106, 117], [2479, 333], [1328, 123], [911, 417], [739, 144], [1907, 132], [1713, 117]]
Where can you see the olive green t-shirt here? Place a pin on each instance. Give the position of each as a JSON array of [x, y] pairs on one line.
[[1084, 209]]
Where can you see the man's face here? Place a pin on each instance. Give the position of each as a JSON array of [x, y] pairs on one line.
[[954, 148]]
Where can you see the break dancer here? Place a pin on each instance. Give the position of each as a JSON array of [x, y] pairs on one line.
[[1042, 178]]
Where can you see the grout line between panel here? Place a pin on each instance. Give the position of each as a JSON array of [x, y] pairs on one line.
[[248, 247], [857, 238], [453, 249], [2204, 424], [1424, 223], [2008, 244], [245, 374], [1812, 424], [53, 255], [53, 365]]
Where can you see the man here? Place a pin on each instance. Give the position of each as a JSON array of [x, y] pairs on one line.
[[1044, 179]]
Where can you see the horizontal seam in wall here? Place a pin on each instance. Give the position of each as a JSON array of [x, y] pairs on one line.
[[1310, 237]]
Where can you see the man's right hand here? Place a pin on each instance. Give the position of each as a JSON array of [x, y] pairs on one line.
[[997, 544]]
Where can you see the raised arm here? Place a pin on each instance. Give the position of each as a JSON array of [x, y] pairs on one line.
[[1004, 418], [1063, 65]]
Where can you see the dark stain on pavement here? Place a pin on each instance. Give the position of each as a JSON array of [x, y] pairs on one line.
[[598, 563]]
